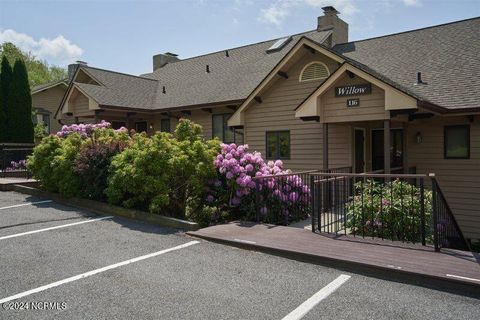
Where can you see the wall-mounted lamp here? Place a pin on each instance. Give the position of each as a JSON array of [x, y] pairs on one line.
[[419, 137], [151, 125]]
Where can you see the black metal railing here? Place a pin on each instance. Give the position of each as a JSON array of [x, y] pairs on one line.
[[445, 227], [385, 206], [283, 198], [398, 207], [12, 159]]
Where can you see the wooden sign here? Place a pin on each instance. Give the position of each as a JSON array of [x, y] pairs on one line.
[[353, 90], [353, 102]]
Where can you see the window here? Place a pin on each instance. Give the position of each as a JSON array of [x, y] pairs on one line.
[[278, 145], [118, 124], [457, 142], [46, 122], [165, 125], [141, 126], [314, 71], [42, 118], [220, 128]]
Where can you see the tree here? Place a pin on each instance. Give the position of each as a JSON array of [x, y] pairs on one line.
[[5, 79], [39, 72], [19, 106]]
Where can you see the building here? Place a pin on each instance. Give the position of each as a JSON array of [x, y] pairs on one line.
[[396, 103], [46, 99]]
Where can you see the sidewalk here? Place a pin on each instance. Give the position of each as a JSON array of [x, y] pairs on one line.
[[450, 269], [6, 184]]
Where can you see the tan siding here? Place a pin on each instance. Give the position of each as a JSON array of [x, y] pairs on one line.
[[277, 112], [334, 109], [458, 178], [79, 105], [50, 100]]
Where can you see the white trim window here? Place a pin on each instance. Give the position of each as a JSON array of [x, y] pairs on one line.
[[315, 70]]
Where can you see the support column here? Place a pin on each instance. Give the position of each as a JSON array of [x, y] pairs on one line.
[[325, 146], [405, 148], [386, 145]]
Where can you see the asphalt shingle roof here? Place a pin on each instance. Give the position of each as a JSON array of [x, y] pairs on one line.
[[119, 89], [448, 56], [231, 78]]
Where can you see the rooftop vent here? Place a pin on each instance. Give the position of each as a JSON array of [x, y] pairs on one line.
[[279, 44], [208, 69], [227, 54], [419, 79]]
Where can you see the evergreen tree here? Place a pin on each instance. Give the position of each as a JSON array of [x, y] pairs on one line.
[[19, 105], [5, 79]]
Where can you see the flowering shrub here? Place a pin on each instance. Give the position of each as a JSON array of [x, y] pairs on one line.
[[391, 210], [239, 185], [86, 130], [52, 161], [14, 165]]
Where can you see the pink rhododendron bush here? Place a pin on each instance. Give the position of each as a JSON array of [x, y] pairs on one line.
[[250, 188]]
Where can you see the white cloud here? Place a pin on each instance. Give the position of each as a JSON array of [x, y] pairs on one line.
[[280, 9], [58, 51], [412, 3]]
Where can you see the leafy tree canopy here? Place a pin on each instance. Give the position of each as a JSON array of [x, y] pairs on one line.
[[39, 72]]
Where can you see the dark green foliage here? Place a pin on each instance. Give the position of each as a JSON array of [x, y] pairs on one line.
[[92, 165], [19, 106], [5, 80]]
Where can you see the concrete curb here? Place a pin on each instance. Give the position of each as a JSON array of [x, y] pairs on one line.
[[449, 285], [111, 210]]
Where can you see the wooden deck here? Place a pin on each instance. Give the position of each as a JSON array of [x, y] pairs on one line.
[[447, 266]]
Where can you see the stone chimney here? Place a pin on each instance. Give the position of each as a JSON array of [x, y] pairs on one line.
[[331, 21], [72, 68], [160, 60]]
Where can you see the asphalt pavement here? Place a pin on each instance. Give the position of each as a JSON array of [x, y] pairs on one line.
[[60, 262]]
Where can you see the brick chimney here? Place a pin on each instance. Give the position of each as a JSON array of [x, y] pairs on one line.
[[331, 21], [160, 60]]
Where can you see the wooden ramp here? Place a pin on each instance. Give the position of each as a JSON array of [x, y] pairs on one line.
[[378, 256]]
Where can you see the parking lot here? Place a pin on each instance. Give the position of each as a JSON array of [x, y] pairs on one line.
[[65, 263]]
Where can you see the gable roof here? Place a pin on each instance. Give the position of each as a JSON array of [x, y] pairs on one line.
[[446, 55], [119, 89], [230, 78], [45, 86]]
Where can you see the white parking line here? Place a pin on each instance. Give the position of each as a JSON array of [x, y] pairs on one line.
[[461, 277], [53, 228], [25, 204], [311, 302], [93, 272]]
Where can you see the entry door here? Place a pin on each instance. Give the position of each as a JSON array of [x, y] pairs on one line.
[[396, 149], [359, 150]]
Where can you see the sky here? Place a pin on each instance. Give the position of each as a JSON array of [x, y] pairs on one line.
[[123, 35]]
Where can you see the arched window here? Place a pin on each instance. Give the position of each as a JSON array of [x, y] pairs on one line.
[[314, 71]]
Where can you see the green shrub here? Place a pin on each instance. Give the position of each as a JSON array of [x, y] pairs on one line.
[[41, 162], [164, 174], [390, 210], [68, 181]]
